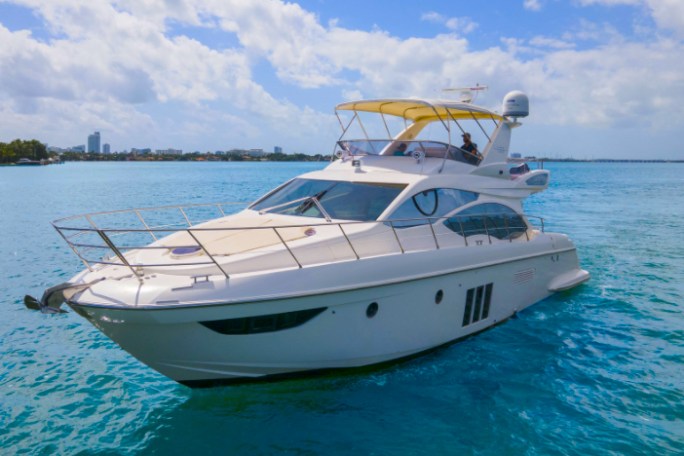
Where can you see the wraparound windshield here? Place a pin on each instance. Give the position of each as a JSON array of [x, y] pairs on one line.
[[360, 201], [431, 149]]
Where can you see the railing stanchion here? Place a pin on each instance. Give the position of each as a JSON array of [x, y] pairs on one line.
[[434, 236], [201, 246], [489, 237], [275, 229], [118, 253], [351, 246], [185, 216], [396, 236], [465, 239], [142, 220], [508, 229]]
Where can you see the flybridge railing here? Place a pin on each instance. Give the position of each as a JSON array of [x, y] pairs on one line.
[[118, 233]]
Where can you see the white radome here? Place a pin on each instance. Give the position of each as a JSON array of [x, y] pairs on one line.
[[516, 104]]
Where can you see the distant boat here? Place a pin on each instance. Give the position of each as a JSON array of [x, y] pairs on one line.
[[27, 162]]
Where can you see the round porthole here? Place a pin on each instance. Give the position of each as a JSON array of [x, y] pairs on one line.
[[372, 309], [439, 296]]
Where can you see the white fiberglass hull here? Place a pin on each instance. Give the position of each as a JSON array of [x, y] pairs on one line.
[[236, 338]]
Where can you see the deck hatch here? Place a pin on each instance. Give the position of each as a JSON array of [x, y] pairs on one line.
[[262, 323]]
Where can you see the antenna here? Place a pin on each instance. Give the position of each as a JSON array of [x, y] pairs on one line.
[[467, 94]]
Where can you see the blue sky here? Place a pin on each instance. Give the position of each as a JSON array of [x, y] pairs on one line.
[[604, 76]]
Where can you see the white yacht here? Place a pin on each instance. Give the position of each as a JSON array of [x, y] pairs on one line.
[[399, 246]]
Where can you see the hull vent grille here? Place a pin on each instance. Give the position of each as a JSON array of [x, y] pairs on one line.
[[524, 276]]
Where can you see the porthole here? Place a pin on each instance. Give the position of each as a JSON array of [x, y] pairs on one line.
[[439, 296], [372, 309]]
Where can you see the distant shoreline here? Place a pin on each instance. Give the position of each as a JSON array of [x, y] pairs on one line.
[[605, 160], [326, 159]]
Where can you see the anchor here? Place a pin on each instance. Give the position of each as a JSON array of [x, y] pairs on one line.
[[54, 297]]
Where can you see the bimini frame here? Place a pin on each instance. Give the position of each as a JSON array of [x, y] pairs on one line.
[[418, 111]]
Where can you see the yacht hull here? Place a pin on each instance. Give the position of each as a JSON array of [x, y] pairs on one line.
[[201, 345]]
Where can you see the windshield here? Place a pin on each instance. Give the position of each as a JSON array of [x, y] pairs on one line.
[[360, 201], [385, 147]]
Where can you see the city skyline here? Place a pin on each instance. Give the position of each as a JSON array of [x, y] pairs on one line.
[[603, 76]]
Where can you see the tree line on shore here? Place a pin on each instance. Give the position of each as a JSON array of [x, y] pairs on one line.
[[192, 156], [13, 151]]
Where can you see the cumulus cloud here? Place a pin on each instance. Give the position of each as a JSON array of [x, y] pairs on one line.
[[668, 14]]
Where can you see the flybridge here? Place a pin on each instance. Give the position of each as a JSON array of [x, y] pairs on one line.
[[416, 116]]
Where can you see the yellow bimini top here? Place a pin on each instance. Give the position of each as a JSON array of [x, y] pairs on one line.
[[419, 110]]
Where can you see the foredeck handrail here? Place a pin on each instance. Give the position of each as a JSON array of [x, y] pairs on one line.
[[120, 250]]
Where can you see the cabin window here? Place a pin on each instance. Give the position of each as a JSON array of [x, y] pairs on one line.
[[360, 201], [495, 220], [430, 205], [262, 323]]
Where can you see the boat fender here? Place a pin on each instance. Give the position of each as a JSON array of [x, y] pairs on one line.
[[53, 297]]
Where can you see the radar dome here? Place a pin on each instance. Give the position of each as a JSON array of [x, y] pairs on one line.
[[516, 104]]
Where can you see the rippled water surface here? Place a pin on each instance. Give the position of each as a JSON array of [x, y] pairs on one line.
[[597, 370]]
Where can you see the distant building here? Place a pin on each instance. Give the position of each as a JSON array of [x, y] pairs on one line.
[[94, 142], [106, 148], [169, 151], [145, 151], [277, 150], [80, 148]]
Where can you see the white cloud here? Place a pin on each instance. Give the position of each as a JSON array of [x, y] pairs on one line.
[[463, 25], [120, 56], [668, 14], [553, 43], [532, 5]]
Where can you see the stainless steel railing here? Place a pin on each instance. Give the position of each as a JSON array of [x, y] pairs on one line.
[[116, 233]]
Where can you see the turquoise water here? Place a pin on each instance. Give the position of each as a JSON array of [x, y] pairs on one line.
[[598, 370]]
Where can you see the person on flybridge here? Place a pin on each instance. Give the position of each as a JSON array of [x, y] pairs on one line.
[[470, 147]]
